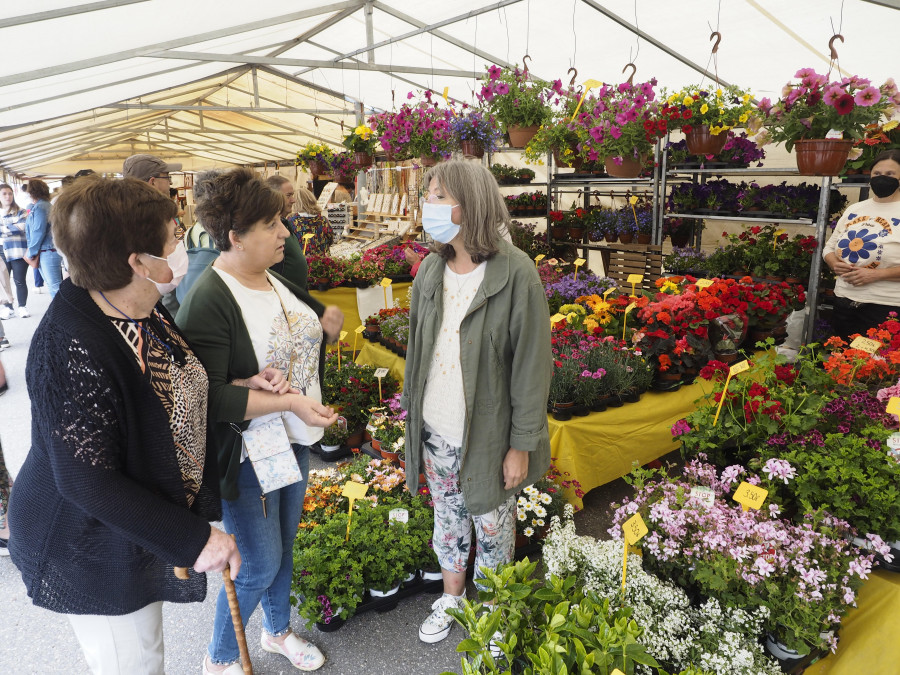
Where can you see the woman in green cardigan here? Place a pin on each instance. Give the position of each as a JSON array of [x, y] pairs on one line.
[[262, 341]]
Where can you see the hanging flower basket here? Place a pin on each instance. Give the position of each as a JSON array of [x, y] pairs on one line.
[[472, 149], [427, 160], [629, 168], [822, 156], [701, 141], [519, 136], [362, 159], [575, 162], [317, 167]]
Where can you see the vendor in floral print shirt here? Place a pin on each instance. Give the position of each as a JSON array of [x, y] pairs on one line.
[[864, 253]]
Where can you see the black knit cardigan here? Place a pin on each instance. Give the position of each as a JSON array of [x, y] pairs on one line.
[[99, 508]]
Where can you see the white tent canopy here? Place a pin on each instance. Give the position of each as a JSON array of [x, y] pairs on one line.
[[217, 82]]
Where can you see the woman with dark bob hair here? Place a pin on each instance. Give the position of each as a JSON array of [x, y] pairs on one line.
[[243, 319], [117, 488], [477, 378], [42, 254]]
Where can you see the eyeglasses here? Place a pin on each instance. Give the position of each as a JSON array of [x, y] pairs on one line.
[[164, 177]]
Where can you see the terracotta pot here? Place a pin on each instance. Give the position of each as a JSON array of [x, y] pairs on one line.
[[575, 162], [644, 238], [472, 149], [611, 238], [727, 357], [680, 239], [774, 277], [576, 233], [822, 156], [557, 231], [700, 141], [355, 440], [626, 238], [389, 456], [519, 136], [794, 280], [317, 168], [362, 159], [629, 168], [427, 160], [376, 445]]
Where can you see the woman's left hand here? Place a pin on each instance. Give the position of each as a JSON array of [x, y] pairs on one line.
[[515, 468], [332, 321], [269, 379], [860, 276]]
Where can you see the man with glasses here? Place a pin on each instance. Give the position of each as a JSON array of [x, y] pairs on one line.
[[153, 170]]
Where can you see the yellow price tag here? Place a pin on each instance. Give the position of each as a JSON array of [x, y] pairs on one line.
[[778, 233], [538, 258], [616, 671], [386, 282], [750, 496], [865, 344], [739, 367], [591, 84], [635, 279], [630, 307], [446, 94], [704, 283], [556, 318], [608, 291], [579, 262], [634, 529], [633, 200], [893, 406], [343, 335], [352, 491], [359, 329], [306, 238]]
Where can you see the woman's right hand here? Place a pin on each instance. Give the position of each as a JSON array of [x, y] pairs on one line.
[[269, 379], [220, 550], [312, 412]]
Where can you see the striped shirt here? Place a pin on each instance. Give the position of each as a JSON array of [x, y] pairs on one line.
[[12, 230]]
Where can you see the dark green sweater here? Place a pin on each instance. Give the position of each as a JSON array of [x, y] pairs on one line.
[[213, 324]]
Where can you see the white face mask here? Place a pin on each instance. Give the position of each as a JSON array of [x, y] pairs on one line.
[[178, 263], [437, 222]]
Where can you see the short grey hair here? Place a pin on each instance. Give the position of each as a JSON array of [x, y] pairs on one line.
[[483, 209]]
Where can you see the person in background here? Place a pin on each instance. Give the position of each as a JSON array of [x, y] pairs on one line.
[[477, 378], [864, 253], [250, 325], [15, 247], [4, 344], [118, 487], [5, 480], [309, 220], [42, 253], [155, 172], [293, 266]]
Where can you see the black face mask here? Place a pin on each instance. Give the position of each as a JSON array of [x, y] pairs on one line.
[[884, 186]]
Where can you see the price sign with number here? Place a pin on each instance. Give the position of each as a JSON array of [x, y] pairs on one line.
[[381, 372], [352, 491], [634, 529], [578, 263], [739, 367], [865, 344], [704, 283], [893, 406], [704, 494], [386, 282], [750, 496], [538, 258], [359, 329], [635, 278]]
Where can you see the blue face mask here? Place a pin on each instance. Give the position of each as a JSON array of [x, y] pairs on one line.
[[436, 220]]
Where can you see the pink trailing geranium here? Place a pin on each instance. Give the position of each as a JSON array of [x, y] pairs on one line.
[[421, 129]]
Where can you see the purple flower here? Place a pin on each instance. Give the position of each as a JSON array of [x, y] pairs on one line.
[[779, 469], [501, 88]]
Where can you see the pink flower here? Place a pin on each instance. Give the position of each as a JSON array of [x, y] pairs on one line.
[[494, 72], [867, 97], [804, 73], [501, 88], [615, 132], [832, 94]]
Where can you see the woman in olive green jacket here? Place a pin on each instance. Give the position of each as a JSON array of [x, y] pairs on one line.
[[477, 377]]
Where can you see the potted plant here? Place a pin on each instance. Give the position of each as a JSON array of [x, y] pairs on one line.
[[705, 115], [517, 101], [626, 227], [574, 220], [361, 142], [314, 157], [821, 119], [562, 386], [619, 126], [343, 167], [555, 137], [383, 546], [334, 440], [476, 131]]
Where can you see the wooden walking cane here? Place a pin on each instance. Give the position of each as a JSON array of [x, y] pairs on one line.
[[246, 666]]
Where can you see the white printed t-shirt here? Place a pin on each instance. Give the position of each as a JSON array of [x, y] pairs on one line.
[[274, 344], [868, 235]]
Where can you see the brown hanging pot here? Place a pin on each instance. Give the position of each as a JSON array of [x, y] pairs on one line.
[[822, 156], [701, 141], [472, 149], [316, 167], [629, 168], [362, 159], [519, 136], [574, 162]]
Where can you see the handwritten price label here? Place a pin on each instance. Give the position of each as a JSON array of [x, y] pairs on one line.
[[750, 496], [399, 515], [381, 372], [630, 307], [865, 344], [556, 318], [704, 283], [893, 406], [635, 278], [359, 329], [739, 367], [343, 335], [634, 529], [386, 282], [704, 494], [608, 291], [579, 262]]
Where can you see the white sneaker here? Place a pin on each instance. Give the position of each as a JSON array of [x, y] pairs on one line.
[[6, 312], [438, 624], [22, 313]]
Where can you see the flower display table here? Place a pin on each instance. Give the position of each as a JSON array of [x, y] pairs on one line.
[[345, 299], [869, 632], [373, 354]]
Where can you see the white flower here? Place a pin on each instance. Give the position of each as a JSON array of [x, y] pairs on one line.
[[521, 501], [540, 511], [546, 499], [540, 522], [528, 532], [521, 515]]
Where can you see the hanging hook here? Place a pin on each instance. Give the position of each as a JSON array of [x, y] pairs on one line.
[[716, 34], [834, 54], [574, 75], [316, 121], [633, 71], [524, 59]]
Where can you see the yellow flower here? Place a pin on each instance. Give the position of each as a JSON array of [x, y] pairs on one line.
[[746, 98], [743, 118], [718, 93], [891, 125], [590, 324], [704, 109], [363, 132], [688, 101]]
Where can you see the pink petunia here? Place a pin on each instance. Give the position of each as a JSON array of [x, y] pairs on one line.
[[615, 131], [832, 94], [867, 97], [501, 88], [494, 72]]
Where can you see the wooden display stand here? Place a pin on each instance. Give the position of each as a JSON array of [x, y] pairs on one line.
[[385, 214], [621, 260]]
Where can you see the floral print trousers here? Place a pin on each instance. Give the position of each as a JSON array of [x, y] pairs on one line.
[[4, 489], [495, 531]]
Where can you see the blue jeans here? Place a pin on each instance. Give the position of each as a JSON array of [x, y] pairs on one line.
[[51, 270], [267, 556]]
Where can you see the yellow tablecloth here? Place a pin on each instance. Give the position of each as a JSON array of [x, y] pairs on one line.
[[870, 633], [345, 299], [373, 354]]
